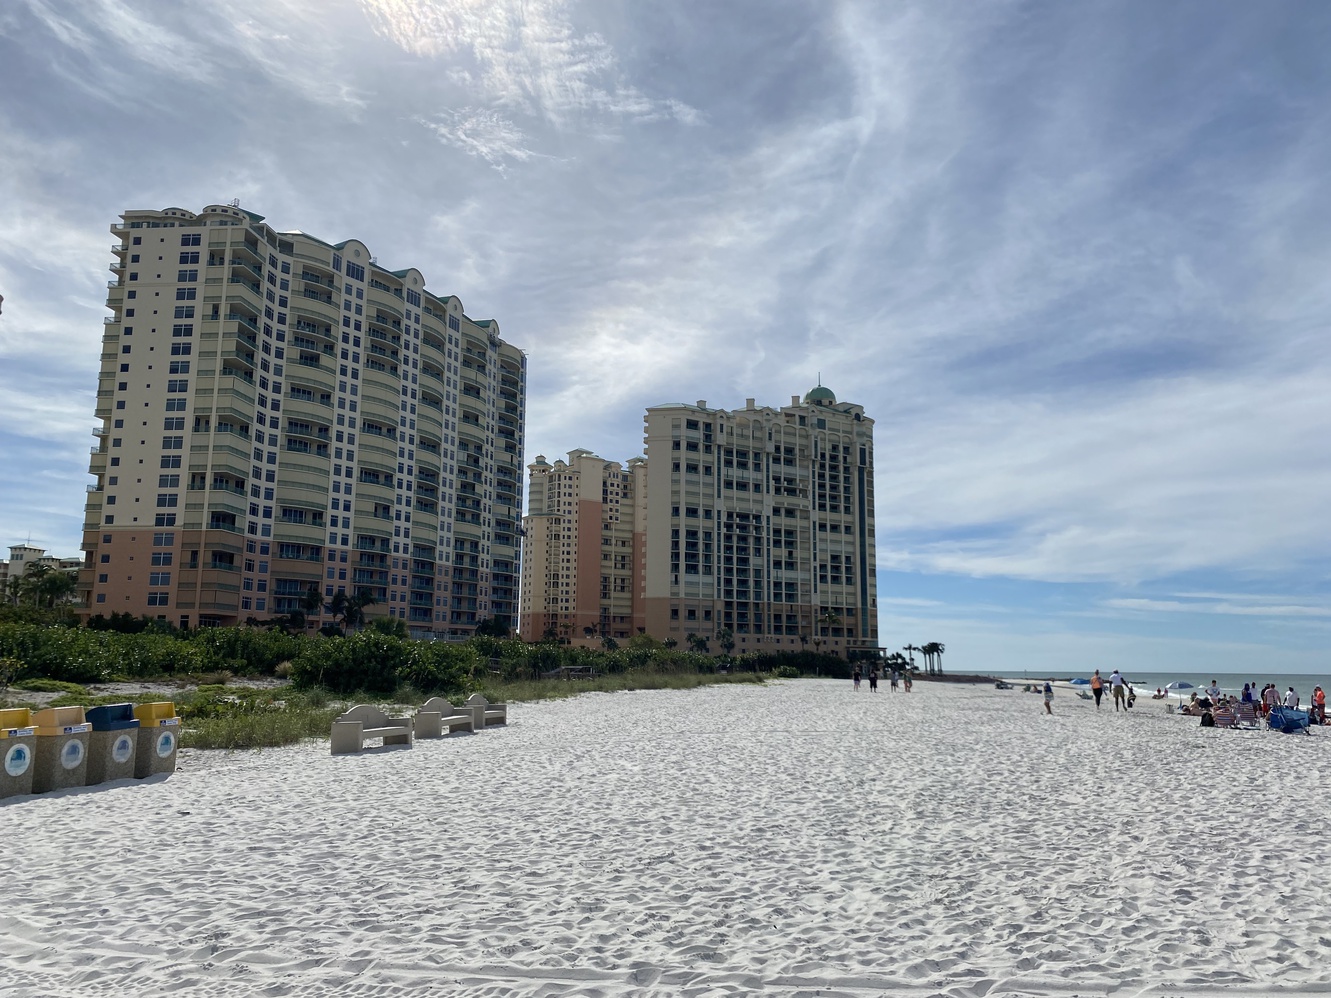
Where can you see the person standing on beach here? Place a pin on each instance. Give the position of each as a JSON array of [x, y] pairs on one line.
[[1270, 697], [873, 680], [1097, 687], [1117, 683], [856, 677], [1291, 698], [1319, 705], [1213, 692], [905, 681], [896, 677], [1048, 697]]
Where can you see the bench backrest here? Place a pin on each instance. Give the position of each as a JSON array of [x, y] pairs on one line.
[[438, 705], [369, 715]]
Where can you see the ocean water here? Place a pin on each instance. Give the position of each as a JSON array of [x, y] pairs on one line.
[[1146, 683]]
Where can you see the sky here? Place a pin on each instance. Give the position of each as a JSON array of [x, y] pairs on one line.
[[1072, 258]]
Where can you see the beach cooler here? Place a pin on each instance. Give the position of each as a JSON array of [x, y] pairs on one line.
[[111, 747], [18, 747], [1288, 719], [62, 749], [159, 737]]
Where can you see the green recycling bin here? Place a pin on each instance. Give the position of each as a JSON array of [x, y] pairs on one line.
[[62, 749], [111, 747], [18, 747]]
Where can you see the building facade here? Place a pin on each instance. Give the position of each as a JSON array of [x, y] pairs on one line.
[[281, 416], [24, 557], [760, 523], [582, 554]]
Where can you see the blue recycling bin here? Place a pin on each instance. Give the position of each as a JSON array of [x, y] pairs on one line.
[[111, 747]]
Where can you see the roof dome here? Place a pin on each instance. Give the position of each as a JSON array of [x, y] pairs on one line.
[[820, 394]]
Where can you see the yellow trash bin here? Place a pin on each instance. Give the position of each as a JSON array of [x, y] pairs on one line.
[[159, 737], [62, 749], [18, 746]]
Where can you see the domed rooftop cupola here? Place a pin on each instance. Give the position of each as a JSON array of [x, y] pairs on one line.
[[820, 396]]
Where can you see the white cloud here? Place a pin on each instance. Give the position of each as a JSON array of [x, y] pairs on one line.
[[524, 55]]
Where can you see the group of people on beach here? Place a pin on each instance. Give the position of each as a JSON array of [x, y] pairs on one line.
[[1263, 701], [1124, 695], [897, 679]]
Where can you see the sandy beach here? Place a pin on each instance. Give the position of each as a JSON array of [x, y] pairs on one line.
[[796, 839]]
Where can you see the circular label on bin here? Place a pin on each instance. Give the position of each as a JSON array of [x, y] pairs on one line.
[[123, 749], [17, 760], [166, 744], [71, 754]]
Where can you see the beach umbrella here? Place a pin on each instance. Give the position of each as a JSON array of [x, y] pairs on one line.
[[1079, 682], [1178, 687]]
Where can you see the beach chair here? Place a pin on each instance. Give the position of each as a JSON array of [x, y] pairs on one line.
[[1290, 720], [1247, 715], [1225, 718]]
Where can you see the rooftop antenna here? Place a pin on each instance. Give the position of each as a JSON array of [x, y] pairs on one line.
[[235, 202]]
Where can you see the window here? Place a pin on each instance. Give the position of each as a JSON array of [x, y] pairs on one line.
[[168, 481], [170, 461], [164, 520], [181, 349], [181, 329], [173, 443], [162, 558], [187, 276], [184, 311], [189, 258], [176, 405], [177, 386], [159, 599], [355, 271], [159, 578], [164, 541], [178, 367], [185, 294], [188, 239], [167, 500]]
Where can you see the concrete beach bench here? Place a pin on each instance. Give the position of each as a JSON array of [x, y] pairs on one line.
[[366, 721], [437, 718], [484, 712]]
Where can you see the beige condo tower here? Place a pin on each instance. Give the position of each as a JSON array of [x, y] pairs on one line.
[[760, 522], [582, 554], [757, 523], [281, 416]]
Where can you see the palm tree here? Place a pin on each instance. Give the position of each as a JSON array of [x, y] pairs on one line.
[[826, 622], [938, 655], [726, 639], [670, 642], [911, 650]]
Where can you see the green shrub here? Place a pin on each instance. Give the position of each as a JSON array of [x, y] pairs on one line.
[[787, 672], [50, 686], [366, 661]]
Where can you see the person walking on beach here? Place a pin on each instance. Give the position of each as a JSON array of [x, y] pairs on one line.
[[896, 677], [1117, 684], [873, 680], [1097, 688], [906, 681], [856, 677], [1048, 697]]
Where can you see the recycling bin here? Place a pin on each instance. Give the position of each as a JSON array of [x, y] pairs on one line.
[[18, 747], [112, 744], [159, 737], [62, 749]]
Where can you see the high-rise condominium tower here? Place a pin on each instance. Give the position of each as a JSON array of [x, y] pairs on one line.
[[582, 555], [280, 416], [760, 521]]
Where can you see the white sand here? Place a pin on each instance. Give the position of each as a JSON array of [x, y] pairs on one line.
[[797, 839]]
